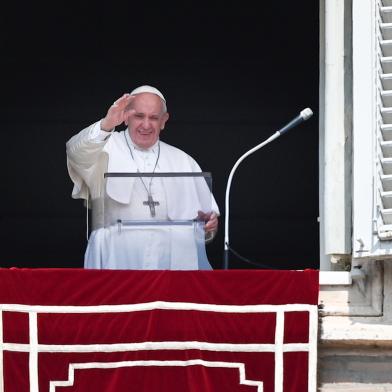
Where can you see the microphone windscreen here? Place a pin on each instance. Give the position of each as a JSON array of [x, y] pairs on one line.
[[306, 113]]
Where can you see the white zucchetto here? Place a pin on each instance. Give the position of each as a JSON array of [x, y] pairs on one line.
[[147, 89]]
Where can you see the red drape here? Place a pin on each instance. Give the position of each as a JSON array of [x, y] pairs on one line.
[[69, 330]]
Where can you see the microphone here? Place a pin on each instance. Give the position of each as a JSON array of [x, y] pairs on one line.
[[303, 116]]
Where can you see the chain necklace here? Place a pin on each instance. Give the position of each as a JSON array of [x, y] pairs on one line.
[[150, 202]]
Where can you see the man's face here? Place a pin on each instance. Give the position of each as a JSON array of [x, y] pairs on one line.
[[147, 119]]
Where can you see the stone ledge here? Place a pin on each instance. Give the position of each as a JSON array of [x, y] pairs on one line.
[[343, 331], [355, 387]]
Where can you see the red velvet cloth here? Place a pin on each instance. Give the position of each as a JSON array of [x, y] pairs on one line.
[[174, 331]]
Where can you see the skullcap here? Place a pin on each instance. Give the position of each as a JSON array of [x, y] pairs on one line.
[[147, 89]]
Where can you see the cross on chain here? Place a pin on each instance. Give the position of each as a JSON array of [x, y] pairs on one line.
[[151, 203]]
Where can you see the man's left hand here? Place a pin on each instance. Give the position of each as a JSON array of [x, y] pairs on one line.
[[211, 221]]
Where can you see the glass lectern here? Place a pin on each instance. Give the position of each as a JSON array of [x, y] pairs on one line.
[[154, 220]]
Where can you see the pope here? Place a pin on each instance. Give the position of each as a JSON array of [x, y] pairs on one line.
[[99, 149]]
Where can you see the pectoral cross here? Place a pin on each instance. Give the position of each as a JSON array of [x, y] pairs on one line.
[[151, 203]]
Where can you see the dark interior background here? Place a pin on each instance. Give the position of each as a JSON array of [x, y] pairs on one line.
[[232, 75]]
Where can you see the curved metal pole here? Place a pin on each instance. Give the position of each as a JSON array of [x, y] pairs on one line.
[[303, 116], [226, 241]]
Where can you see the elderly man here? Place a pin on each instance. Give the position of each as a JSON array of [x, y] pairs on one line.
[[97, 150]]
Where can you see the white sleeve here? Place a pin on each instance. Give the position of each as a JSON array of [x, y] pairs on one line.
[[196, 168], [86, 159], [97, 135]]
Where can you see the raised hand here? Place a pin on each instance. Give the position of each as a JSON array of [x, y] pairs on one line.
[[117, 113]]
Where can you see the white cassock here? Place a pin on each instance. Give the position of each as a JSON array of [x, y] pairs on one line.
[[93, 152]]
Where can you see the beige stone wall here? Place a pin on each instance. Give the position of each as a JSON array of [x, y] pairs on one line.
[[355, 348]]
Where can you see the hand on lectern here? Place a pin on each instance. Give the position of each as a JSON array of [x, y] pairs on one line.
[[210, 219]]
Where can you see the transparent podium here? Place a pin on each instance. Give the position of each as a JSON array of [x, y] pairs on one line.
[[153, 220]]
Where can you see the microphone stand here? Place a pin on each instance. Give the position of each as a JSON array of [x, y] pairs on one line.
[[226, 244], [304, 115]]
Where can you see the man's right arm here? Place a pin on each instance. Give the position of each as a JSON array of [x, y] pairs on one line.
[[84, 148], [84, 161]]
